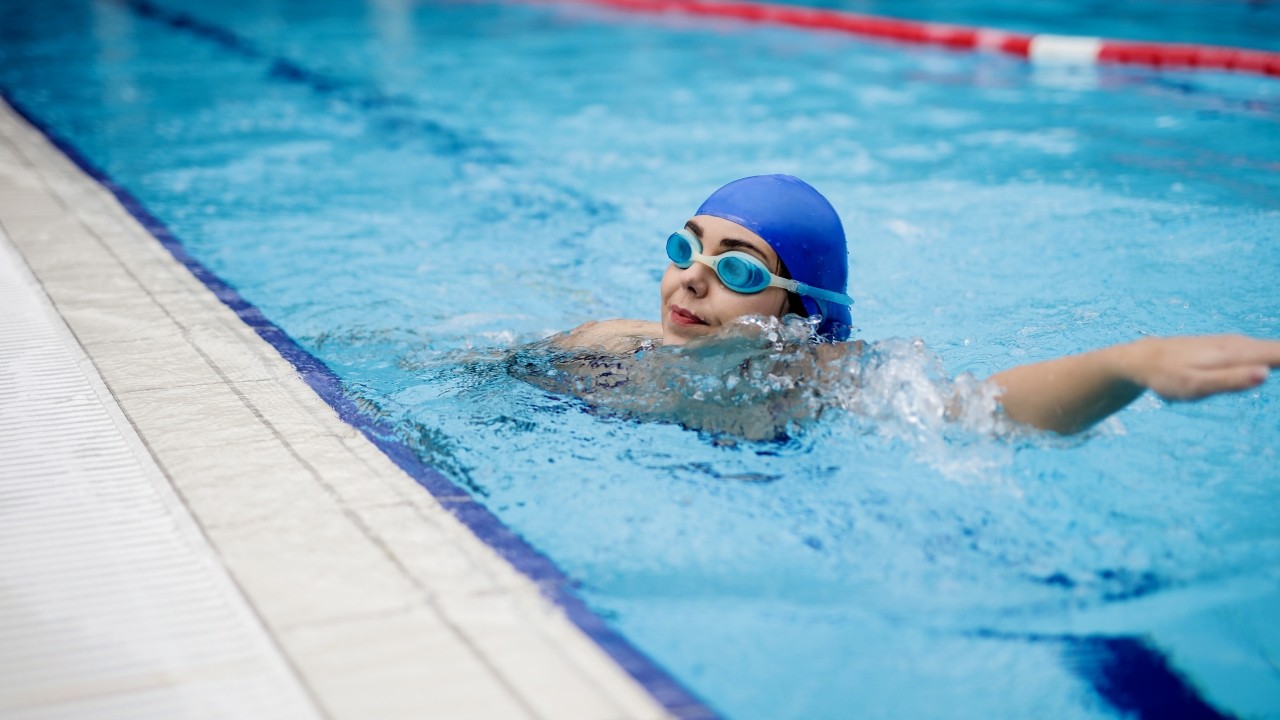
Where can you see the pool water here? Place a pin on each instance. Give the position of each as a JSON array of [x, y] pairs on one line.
[[416, 191]]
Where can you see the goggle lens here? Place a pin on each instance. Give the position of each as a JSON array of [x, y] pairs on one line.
[[680, 250], [739, 273], [741, 276]]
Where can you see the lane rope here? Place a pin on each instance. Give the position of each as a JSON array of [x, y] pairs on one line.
[[1037, 48]]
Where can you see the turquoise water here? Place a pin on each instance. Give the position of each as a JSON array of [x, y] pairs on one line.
[[413, 192]]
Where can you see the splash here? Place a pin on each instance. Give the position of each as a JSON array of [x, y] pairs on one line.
[[765, 379]]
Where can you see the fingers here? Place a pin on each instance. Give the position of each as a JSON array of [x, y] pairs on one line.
[[1244, 349], [1269, 352], [1212, 382]]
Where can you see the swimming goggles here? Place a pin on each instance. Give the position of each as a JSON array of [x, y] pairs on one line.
[[739, 271]]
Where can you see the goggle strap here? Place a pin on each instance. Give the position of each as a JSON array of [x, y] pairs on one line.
[[828, 295], [787, 284]]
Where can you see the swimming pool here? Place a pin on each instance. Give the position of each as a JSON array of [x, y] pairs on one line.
[[409, 205]]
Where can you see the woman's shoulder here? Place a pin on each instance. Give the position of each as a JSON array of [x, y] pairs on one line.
[[618, 336]]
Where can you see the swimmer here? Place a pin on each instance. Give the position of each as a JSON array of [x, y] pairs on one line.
[[773, 246]]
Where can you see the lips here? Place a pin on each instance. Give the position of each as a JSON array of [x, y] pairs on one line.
[[680, 316]]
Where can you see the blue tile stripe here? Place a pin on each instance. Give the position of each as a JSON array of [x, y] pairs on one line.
[[554, 584]]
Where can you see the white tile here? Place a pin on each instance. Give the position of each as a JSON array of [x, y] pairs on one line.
[[177, 420], [14, 171], [236, 350], [408, 665], [45, 160], [151, 363], [146, 259], [510, 638], [57, 242], [604, 674], [374, 458], [102, 284], [246, 483], [283, 402], [543, 656], [353, 484], [122, 235], [120, 319], [433, 555], [13, 167], [312, 566], [29, 200]]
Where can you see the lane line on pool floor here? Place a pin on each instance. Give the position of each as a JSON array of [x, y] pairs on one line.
[[385, 603]]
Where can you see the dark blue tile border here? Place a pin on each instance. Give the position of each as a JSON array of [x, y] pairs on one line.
[[550, 579]]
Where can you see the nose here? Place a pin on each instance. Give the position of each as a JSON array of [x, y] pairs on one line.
[[696, 279]]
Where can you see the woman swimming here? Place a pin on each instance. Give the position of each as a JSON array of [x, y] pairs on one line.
[[773, 246]]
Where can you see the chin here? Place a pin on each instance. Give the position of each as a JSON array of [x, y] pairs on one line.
[[670, 338], [682, 334]]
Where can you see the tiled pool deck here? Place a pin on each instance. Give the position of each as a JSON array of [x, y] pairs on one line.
[[351, 591]]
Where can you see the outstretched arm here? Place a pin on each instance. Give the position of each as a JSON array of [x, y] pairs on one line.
[[1072, 393]]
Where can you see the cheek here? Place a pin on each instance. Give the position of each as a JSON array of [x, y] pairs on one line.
[[771, 302], [670, 281], [726, 306]]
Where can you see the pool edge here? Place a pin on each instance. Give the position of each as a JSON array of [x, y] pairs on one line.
[[161, 339]]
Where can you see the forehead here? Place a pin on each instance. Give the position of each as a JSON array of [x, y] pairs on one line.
[[716, 230]]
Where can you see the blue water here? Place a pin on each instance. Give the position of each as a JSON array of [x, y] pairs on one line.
[[413, 192]]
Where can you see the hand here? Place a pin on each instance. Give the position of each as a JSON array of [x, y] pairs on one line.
[[1191, 368]]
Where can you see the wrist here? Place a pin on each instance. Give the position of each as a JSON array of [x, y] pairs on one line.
[[1132, 362]]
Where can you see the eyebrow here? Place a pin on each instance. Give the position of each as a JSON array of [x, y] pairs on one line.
[[730, 243]]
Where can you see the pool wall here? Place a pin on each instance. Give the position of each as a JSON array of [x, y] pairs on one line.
[[380, 599]]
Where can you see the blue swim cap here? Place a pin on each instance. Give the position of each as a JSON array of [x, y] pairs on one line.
[[802, 227]]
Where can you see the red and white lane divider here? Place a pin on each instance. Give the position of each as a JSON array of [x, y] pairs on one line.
[[1036, 48]]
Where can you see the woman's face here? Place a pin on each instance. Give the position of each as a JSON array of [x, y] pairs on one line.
[[695, 303]]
